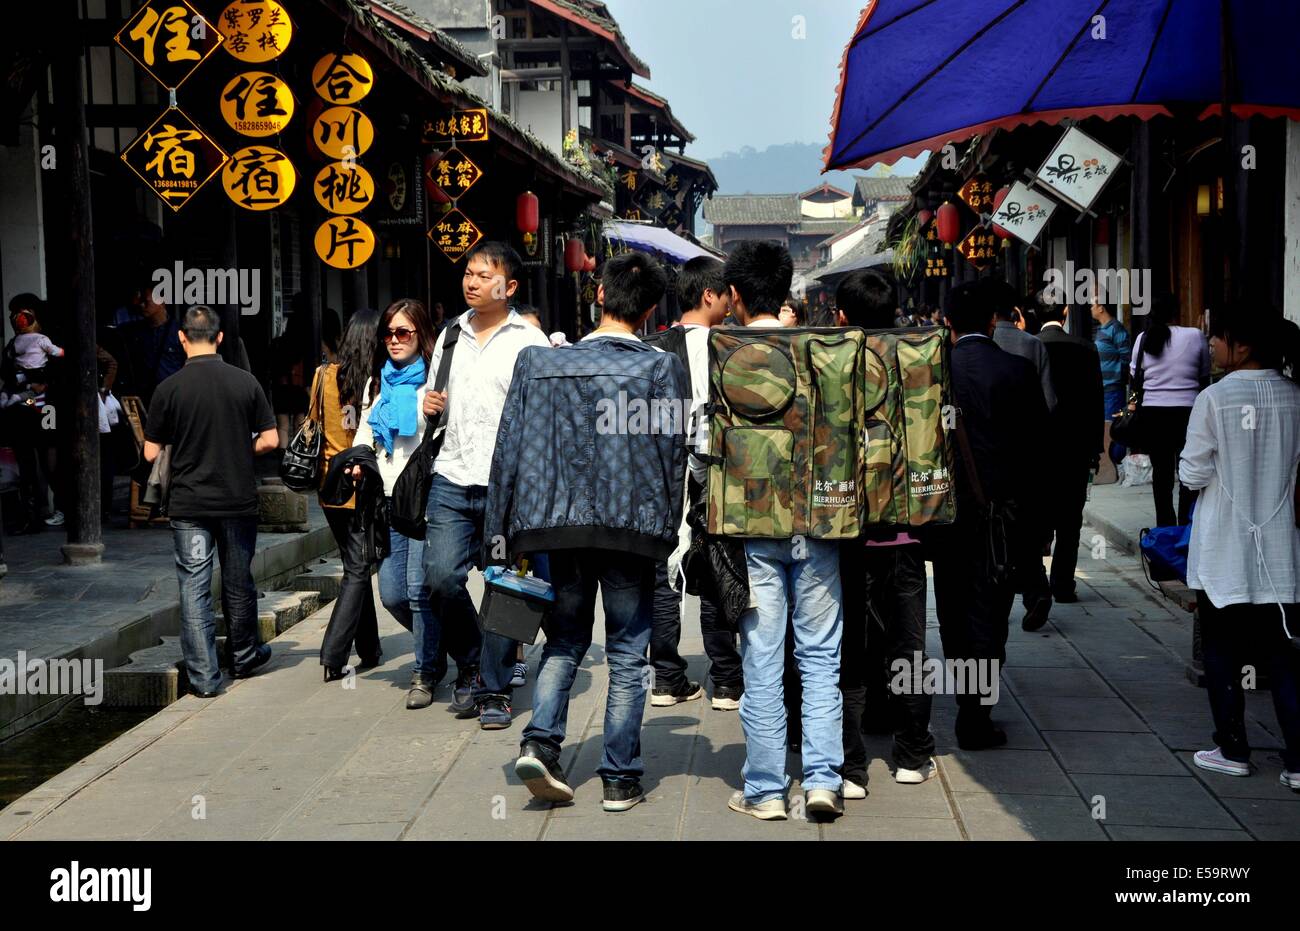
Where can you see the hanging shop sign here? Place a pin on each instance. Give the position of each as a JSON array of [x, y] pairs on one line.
[[936, 258], [341, 132], [169, 39], [342, 78], [344, 188], [174, 158], [455, 234], [259, 178], [977, 194], [1024, 212], [1078, 168], [455, 174], [980, 247], [257, 104], [256, 30], [344, 242], [461, 126]]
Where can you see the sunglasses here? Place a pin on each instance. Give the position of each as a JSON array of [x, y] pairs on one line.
[[401, 334]]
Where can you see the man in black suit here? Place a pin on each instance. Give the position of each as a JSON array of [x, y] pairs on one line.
[[1001, 417], [1075, 442]]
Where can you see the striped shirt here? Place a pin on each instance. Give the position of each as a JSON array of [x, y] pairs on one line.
[[1114, 347]]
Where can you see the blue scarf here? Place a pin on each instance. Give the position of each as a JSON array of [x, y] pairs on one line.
[[396, 413]]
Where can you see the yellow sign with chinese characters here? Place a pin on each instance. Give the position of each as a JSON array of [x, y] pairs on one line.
[[256, 30], [168, 39], [455, 234], [342, 78], [344, 188], [344, 242], [257, 104], [174, 158], [455, 174], [461, 126], [342, 132], [259, 178]]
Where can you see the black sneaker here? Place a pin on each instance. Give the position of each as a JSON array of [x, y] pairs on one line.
[[667, 696], [541, 774], [622, 794], [494, 713], [1066, 598], [263, 657], [1037, 615], [727, 697], [462, 697]]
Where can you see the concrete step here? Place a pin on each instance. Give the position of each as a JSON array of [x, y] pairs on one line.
[[324, 576], [154, 678], [278, 611]]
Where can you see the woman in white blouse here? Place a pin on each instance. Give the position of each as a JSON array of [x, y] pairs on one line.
[[1242, 450]]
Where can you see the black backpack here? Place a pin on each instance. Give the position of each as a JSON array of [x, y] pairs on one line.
[[672, 340], [410, 499]]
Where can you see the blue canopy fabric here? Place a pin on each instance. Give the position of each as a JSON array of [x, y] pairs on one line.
[[655, 239], [921, 73]]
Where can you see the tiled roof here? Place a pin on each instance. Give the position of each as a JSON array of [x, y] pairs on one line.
[[597, 19], [660, 104], [862, 255], [890, 188], [451, 49], [825, 226], [753, 210]]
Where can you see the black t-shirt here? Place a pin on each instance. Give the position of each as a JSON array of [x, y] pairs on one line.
[[208, 413]]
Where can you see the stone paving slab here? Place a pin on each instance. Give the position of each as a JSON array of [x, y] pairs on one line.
[[284, 756]]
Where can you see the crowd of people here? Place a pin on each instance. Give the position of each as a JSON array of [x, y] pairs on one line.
[[828, 621]]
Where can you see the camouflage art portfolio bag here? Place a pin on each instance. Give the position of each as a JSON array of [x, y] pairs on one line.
[[827, 433]]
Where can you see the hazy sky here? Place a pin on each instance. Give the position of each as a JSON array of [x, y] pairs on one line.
[[733, 70]]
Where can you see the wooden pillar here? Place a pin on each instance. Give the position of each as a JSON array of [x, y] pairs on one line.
[[1142, 192], [85, 535]]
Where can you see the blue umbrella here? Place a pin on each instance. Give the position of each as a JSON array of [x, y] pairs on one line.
[[921, 73]]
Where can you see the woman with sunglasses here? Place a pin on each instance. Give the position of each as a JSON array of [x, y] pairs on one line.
[[1242, 449], [343, 387], [391, 421]]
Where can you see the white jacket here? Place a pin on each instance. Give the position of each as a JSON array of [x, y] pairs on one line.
[[391, 465]]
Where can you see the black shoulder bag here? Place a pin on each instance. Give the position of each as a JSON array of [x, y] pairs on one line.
[[300, 467], [1127, 425], [411, 493]]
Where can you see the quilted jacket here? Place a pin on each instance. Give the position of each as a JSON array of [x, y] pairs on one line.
[[591, 451]]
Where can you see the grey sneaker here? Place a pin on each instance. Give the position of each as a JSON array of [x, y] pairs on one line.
[[771, 810], [823, 802]]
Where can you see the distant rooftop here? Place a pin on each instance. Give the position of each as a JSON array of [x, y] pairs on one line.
[[753, 210], [892, 187]]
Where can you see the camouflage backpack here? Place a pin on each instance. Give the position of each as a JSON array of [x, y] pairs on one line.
[[827, 432]]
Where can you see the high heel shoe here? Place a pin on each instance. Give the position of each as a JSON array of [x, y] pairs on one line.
[[333, 674]]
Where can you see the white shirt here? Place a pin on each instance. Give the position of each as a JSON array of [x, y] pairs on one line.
[[1243, 445], [476, 395]]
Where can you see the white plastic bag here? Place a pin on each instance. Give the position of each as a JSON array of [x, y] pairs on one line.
[[1135, 470]]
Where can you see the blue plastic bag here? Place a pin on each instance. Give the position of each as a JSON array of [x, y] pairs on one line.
[[1164, 552]]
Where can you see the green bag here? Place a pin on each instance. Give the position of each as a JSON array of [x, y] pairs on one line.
[[826, 432]]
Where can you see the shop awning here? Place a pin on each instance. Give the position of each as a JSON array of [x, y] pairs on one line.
[[655, 239]]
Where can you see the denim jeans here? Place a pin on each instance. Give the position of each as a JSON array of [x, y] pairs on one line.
[[627, 588], [232, 540], [451, 549], [1115, 397], [806, 574]]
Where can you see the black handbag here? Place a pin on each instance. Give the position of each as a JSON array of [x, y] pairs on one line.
[[300, 467], [410, 499], [1126, 426]]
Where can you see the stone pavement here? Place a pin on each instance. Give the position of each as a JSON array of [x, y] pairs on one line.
[[109, 611], [1100, 719]]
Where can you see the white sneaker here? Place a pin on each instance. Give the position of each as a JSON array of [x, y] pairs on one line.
[[1216, 762], [851, 790], [822, 802], [1290, 780], [54, 520], [914, 777], [771, 810]]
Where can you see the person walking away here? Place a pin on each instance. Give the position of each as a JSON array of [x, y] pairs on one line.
[[699, 288], [1175, 364], [1241, 453], [206, 413], [604, 515], [1001, 417], [883, 579], [390, 421], [341, 387], [1115, 350], [758, 277], [1074, 448], [482, 366]]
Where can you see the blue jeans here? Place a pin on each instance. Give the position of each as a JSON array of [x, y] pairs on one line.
[[233, 540], [811, 580], [1115, 396], [627, 589], [402, 591], [451, 549]]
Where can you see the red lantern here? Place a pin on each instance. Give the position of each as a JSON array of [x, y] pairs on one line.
[[527, 212], [575, 255], [947, 221], [924, 218], [998, 198], [590, 266]]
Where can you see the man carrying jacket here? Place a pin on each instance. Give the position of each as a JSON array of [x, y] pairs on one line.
[[589, 468]]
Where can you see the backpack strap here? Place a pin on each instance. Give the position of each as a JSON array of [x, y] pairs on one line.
[[451, 336]]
